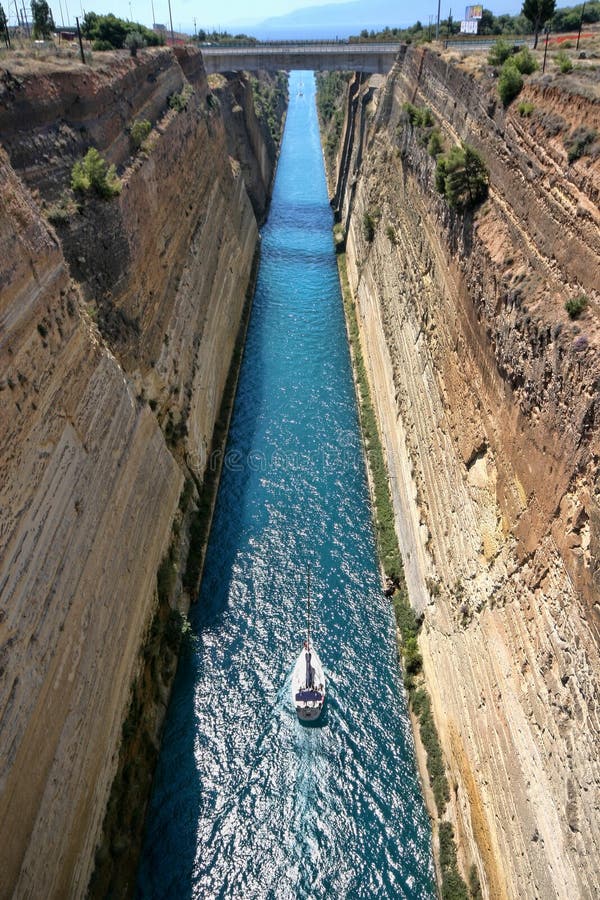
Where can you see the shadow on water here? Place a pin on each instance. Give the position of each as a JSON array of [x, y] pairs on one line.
[[248, 801]]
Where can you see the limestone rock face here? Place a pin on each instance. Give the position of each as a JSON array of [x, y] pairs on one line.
[[487, 396], [81, 540], [116, 333], [249, 139]]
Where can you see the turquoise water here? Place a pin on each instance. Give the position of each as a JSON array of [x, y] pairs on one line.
[[247, 802]]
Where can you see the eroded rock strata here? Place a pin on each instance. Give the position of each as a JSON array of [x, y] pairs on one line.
[[488, 400], [117, 327]]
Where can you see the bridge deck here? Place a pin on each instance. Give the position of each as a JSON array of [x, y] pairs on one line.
[[318, 56]]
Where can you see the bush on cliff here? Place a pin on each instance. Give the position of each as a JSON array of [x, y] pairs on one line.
[[576, 305], [180, 101], [418, 116], [435, 145], [453, 886], [580, 142], [421, 706], [368, 225], [135, 41], [92, 174], [139, 131], [563, 62], [525, 61], [462, 177], [500, 52], [510, 82]]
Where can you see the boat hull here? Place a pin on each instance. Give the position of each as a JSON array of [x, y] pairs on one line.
[[308, 694]]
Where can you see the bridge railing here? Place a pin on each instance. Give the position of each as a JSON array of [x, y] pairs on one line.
[[287, 43], [299, 46]]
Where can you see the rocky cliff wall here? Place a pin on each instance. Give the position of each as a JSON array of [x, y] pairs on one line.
[[252, 139], [487, 397], [112, 373]]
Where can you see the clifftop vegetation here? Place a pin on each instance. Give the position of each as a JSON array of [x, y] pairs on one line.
[[111, 33], [558, 20]]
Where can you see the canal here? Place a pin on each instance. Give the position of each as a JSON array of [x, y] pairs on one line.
[[247, 802]]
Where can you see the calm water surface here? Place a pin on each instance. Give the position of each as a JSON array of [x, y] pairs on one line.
[[247, 802]]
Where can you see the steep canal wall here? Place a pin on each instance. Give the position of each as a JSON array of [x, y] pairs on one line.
[[486, 394], [118, 319]]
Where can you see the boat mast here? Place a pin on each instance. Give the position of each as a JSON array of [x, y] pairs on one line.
[[308, 608]]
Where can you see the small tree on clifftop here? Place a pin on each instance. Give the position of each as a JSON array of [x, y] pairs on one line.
[[43, 23], [538, 12]]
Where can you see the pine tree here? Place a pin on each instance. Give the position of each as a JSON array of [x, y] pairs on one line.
[[4, 26], [43, 23], [538, 12]]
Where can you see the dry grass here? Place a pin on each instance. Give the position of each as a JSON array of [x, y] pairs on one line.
[[27, 58]]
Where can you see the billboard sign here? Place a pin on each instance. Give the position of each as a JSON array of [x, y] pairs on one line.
[[474, 12], [469, 26]]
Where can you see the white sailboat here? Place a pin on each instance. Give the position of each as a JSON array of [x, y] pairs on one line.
[[308, 677]]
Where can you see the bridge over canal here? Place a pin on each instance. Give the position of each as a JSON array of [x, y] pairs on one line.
[[315, 55]]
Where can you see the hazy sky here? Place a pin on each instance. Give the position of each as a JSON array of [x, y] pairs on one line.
[[207, 14], [235, 15]]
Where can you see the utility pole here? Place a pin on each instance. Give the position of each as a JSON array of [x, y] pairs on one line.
[[62, 18], [580, 26], [547, 30], [80, 41], [437, 24], [171, 23], [6, 34], [25, 21]]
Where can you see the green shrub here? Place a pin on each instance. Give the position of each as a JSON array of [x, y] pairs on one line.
[[421, 705], [110, 33], [180, 101], [368, 225], [176, 629], [134, 41], [579, 142], [419, 116], [500, 52], [525, 61], [576, 305], [510, 82], [563, 62], [433, 586], [139, 131], [453, 886], [435, 145], [474, 883], [92, 174], [212, 101], [462, 177], [525, 108], [166, 577], [62, 211], [391, 234], [413, 661]]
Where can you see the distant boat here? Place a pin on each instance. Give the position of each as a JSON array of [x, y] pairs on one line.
[[308, 678]]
